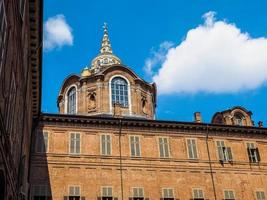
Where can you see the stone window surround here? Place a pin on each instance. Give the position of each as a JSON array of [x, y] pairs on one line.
[[129, 93], [66, 98]]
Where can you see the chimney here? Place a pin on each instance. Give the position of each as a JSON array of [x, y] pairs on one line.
[[260, 123], [198, 118]]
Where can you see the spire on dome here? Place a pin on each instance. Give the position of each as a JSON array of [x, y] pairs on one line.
[[105, 45], [106, 57]]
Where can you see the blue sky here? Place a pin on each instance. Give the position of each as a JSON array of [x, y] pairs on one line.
[[137, 31]]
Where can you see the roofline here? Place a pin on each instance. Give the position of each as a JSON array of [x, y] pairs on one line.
[[49, 117], [36, 42]]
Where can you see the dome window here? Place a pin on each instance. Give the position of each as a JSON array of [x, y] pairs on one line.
[[239, 119], [71, 103], [119, 91]]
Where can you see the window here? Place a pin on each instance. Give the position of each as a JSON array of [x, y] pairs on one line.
[[138, 193], [224, 153], [164, 148], [74, 193], [198, 194], [260, 195], [239, 118], [75, 143], [135, 146], [253, 153], [106, 193], [3, 33], [41, 192], [71, 108], [42, 142], [119, 91], [167, 194], [192, 148], [229, 195], [105, 144]]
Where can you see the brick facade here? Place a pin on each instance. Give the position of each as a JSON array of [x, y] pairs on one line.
[[91, 171], [20, 69]]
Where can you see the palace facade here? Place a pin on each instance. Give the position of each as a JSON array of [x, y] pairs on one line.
[[105, 144]]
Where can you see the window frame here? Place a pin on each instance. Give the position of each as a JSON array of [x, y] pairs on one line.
[[256, 155], [80, 143], [225, 152], [101, 149], [143, 191], [162, 192], [168, 144], [199, 189], [45, 149], [129, 93], [74, 195], [228, 190], [66, 100], [239, 119], [120, 92], [261, 192], [139, 146], [102, 187], [196, 148]]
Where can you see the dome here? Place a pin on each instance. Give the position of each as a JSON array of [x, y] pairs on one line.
[[85, 72]]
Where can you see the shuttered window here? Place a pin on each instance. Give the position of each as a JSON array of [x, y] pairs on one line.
[[260, 195], [74, 193], [167, 193], [105, 144], [198, 194], [135, 146], [164, 148], [192, 148], [106, 191], [138, 192], [75, 143], [224, 153], [229, 195], [253, 152]]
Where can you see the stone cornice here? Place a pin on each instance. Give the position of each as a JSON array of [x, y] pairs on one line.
[[144, 123], [36, 35]]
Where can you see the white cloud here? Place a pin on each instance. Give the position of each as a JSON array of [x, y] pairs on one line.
[[158, 56], [215, 57], [57, 33]]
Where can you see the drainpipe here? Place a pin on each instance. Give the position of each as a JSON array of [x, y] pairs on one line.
[[210, 166], [121, 176]]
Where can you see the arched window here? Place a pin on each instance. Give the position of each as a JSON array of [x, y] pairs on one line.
[[119, 91], [71, 107], [239, 118]]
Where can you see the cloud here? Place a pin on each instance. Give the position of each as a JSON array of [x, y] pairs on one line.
[[158, 56], [57, 33], [215, 57]]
